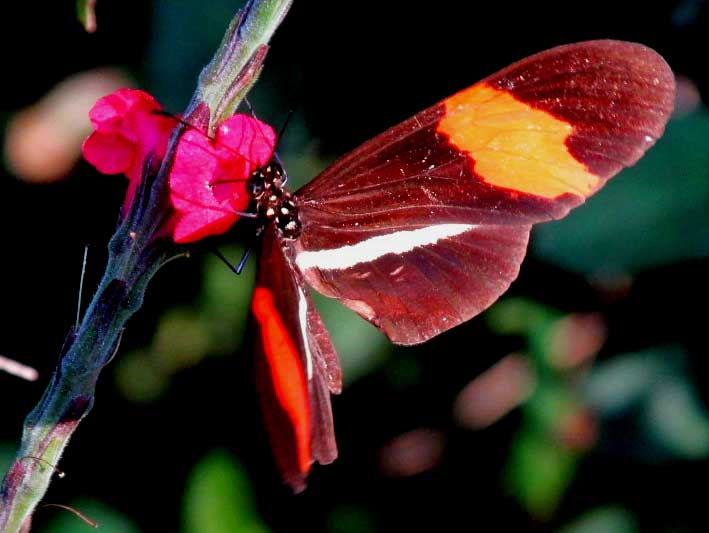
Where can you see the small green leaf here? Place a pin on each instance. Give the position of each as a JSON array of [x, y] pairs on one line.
[[218, 498], [654, 213]]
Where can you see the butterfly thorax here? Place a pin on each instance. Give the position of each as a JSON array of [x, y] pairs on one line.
[[273, 202]]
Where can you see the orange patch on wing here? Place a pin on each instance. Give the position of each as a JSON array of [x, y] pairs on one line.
[[286, 371], [514, 145]]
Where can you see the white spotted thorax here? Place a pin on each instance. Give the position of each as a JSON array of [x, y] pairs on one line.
[[273, 202]]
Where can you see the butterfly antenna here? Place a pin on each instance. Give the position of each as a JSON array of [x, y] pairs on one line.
[[186, 124], [279, 135], [251, 109], [81, 287], [174, 117], [282, 131], [245, 214]]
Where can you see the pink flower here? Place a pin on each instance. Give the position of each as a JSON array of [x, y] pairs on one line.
[[207, 182], [126, 130], [208, 177]]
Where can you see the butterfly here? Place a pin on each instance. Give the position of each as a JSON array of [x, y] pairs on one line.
[[425, 225]]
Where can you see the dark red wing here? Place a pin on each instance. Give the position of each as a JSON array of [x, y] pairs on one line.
[[610, 101], [414, 293], [297, 367], [425, 225]]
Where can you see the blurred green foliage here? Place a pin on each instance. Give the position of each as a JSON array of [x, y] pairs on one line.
[[652, 214], [655, 388], [539, 472], [182, 41], [541, 461], [184, 336], [219, 499], [349, 519], [652, 390], [361, 347], [609, 519]]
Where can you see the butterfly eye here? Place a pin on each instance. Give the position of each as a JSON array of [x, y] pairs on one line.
[[256, 185]]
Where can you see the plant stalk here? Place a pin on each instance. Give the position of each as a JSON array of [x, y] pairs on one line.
[[136, 251]]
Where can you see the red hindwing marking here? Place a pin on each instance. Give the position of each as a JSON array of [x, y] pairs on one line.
[[286, 372]]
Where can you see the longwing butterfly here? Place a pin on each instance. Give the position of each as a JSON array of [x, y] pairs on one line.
[[425, 226]]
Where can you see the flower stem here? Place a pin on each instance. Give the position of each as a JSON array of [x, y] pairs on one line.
[[226, 80], [70, 393], [139, 247]]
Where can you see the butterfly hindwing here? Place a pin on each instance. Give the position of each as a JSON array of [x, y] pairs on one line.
[[414, 292], [296, 366]]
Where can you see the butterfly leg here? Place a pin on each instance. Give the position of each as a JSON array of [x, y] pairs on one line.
[[239, 266], [238, 269]]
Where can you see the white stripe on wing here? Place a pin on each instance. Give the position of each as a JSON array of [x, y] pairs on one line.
[[303, 322], [398, 242]]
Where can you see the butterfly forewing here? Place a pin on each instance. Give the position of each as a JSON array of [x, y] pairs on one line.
[[616, 95], [425, 225]]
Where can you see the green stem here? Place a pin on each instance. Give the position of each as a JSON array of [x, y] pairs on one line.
[[137, 250], [70, 393], [224, 83]]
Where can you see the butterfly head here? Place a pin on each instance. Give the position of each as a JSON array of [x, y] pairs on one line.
[[273, 201]]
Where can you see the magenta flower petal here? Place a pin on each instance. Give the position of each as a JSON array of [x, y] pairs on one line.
[[192, 226], [247, 136], [108, 115], [126, 116], [110, 153], [192, 171], [208, 178]]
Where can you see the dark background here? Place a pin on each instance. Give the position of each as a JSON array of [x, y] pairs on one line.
[[349, 70]]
